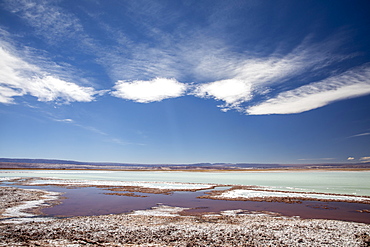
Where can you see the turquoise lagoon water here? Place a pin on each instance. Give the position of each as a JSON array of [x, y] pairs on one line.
[[339, 182]]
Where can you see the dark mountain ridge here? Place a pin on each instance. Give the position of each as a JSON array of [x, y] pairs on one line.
[[70, 164]]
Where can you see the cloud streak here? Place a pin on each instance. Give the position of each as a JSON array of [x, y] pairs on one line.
[[19, 77], [107, 137], [358, 135], [365, 159], [353, 83], [318, 159]]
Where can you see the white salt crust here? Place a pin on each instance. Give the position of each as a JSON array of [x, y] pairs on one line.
[[153, 185], [249, 194], [161, 210], [18, 215]]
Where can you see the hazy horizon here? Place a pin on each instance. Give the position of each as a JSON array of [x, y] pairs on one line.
[[240, 164]]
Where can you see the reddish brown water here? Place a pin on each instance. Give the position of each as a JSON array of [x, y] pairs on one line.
[[93, 201]]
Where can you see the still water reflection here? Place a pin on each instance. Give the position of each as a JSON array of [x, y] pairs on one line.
[[93, 201]]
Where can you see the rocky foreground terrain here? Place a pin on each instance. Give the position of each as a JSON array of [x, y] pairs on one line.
[[11, 197], [163, 226], [144, 230]]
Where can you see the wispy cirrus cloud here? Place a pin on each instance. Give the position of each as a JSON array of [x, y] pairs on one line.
[[149, 91], [323, 159], [358, 135], [50, 88], [185, 54], [106, 137], [123, 58], [65, 120], [19, 77], [365, 159], [48, 20], [248, 76], [350, 84], [7, 94]]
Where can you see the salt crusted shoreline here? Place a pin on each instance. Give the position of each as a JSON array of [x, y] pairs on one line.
[[254, 193], [236, 192], [130, 186], [21, 205], [163, 226]]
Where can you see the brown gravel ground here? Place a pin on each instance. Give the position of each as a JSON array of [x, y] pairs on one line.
[[143, 230]]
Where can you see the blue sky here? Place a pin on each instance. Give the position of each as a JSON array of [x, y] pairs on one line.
[[185, 81]]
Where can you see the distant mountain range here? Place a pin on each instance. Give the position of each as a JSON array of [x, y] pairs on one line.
[[69, 164]]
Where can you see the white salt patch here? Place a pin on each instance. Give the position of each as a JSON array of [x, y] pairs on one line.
[[162, 210], [8, 178], [232, 212], [19, 216], [23, 220], [263, 194], [153, 185], [211, 215], [237, 212]]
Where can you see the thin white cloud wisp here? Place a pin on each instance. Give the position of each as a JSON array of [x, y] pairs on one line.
[[18, 78], [49, 88], [365, 159], [358, 135], [48, 20], [353, 83], [157, 89]]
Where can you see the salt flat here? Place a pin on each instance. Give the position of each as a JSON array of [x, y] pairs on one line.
[[164, 226], [261, 194]]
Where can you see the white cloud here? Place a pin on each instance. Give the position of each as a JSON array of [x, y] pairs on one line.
[[353, 83], [350, 158], [231, 77], [232, 91], [66, 120], [18, 78], [362, 134], [365, 159], [49, 88], [204, 58], [149, 91], [7, 94], [246, 76]]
